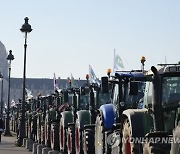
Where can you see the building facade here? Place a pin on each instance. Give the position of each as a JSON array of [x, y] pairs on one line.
[[43, 86]]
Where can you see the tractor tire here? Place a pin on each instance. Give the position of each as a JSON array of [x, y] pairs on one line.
[[71, 139], [99, 136], [128, 147], [47, 132], [175, 146], [115, 141], [78, 138], [83, 118], [39, 129], [62, 136], [55, 136], [88, 141], [42, 134], [155, 148], [66, 117]]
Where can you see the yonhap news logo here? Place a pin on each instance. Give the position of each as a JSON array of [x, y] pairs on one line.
[[115, 139]]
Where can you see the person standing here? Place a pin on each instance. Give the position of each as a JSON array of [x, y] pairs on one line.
[[1, 127]]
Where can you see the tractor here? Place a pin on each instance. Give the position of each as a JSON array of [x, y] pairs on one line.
[[67, 116], [85, 119], [155, 128], [127, 89]]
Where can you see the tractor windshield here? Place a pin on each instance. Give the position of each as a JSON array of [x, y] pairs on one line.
[[170, 100], [104, 98], [171, 90], [84, 102], [136, 101]]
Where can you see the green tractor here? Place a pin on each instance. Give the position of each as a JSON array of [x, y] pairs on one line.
[[82, 130], [156, 128], [52, 118], [80, 122], [80, 103], [99, 95], [67, 116]]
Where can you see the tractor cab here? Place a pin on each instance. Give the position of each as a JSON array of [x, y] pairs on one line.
[[160, 116], [127, 90], [83, 98], [167, 96]]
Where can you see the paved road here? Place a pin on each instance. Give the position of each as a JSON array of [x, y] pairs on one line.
[[7, 146]]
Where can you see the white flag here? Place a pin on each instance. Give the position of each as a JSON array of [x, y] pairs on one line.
[[13, 103], [55, 83], [73, 82], [118, 64], [92, 76], [28, 94]]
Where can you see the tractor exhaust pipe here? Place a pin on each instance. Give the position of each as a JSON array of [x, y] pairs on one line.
[[156, 102]]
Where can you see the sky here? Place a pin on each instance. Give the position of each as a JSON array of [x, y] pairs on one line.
[[70, 35]]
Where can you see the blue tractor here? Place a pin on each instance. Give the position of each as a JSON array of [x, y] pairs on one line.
[[127, 90]]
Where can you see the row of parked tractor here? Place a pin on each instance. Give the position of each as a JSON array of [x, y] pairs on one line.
[[130, 112]]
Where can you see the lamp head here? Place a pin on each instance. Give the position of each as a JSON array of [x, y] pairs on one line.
[[26, 27], [10, 56]]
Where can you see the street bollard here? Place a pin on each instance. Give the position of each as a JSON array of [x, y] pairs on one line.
[[34, 150], [46, 150], [27, 143], [31, 145], [24, 142], [39, 148]]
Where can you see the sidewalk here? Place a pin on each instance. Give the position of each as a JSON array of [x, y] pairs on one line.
[[7, 146]]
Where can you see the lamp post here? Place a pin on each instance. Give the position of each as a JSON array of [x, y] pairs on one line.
[[10, 57], [26, 28], [1, 77]]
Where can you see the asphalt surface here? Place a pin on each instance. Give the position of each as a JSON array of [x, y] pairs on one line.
[[7, 146]]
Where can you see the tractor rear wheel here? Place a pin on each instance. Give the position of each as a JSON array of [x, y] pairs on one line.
[[99, 145], [62, 136], [55, 136], [39, 129], [71, 139], [78, 138], [42, 134], [155, 148], [128, 147], [47, 132], [88, 141], [175, 146]]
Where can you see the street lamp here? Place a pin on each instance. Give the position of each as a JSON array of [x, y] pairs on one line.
[[10, 57], [26, 28], [1, 77]]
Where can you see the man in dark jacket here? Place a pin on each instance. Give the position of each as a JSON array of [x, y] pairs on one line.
[[1, 127]]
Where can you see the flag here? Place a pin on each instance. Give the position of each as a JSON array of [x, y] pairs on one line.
[[118, 64], [68, 84], [28, 93], [92, 76], [13, 103], [5, 106], [73, 82], [55, 83]]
